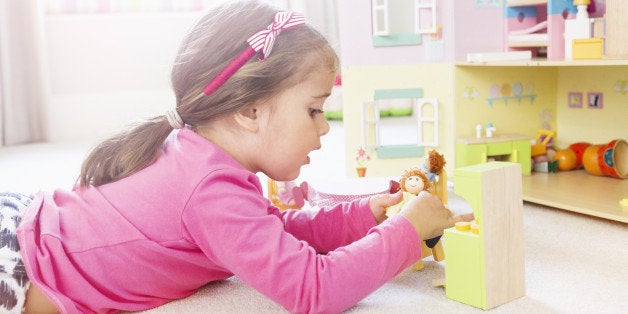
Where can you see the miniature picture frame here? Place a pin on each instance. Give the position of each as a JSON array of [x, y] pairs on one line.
[[595, 100], [575, 100]]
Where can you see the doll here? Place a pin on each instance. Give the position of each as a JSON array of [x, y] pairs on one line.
[[429, 173], [411, 183], [433, 167], [434, 164]]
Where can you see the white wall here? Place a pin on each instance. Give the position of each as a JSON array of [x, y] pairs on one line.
[[105, 70]]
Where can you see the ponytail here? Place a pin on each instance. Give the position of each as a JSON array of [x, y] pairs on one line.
[[125, 153]]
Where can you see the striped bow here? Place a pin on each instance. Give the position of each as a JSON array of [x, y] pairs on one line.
[[262, 40], [265, 39]]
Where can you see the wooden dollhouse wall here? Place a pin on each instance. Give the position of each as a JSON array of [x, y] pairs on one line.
[[429, 66], [464, 92]]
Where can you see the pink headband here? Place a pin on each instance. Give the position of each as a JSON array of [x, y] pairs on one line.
[[262, 40]]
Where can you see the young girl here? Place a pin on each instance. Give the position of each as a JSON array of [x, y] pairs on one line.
[[175, 203]]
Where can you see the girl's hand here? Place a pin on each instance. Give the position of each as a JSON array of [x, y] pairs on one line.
[[379, 203], [429, 216]]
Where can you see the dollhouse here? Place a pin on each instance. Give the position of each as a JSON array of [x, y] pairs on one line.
[[516, 97]]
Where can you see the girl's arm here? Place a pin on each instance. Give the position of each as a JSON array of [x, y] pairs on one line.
[[229, 221], [328, 228], [335, 226]]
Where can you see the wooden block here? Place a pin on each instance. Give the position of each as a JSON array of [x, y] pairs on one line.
[[589, 48], [486, 269], [616, 25]]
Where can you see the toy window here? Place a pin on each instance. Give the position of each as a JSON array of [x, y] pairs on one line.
[[421, 9], [380, 17], [427, 121], [399, 123], [401, 22]]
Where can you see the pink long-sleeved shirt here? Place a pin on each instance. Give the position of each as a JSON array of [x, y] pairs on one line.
[[195, 216]]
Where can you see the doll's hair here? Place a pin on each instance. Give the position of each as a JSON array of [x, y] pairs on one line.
[[215, 40], [437, 161], [414, 172]]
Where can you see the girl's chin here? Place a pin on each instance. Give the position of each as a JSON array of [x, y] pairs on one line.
[[290, 177]]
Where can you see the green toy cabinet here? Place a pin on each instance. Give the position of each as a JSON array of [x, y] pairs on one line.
[[485, 265], [503, 147]]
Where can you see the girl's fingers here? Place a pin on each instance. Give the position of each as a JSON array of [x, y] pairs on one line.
[[463, 217]]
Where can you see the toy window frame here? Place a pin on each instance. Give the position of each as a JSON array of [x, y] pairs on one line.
[[383, 37], [371, 120]]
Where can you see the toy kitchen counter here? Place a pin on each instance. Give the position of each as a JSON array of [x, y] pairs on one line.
[[500, 147]]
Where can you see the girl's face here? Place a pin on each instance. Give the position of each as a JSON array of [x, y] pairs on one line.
[[414, 185], [295, 125]]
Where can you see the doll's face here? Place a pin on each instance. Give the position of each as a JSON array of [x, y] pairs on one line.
[[414, 185]]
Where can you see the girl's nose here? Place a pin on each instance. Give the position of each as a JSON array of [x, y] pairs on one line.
[[323, 127]]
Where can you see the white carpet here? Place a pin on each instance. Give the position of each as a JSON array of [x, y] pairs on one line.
[[574, 264]]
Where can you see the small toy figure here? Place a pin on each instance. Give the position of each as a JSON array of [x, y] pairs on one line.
[[412, 182], [362, 159], [490, 128], [433, 165], [428, 174]]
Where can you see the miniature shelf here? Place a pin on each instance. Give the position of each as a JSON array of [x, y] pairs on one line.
[[492, 100], [522, 3], [579, 192]]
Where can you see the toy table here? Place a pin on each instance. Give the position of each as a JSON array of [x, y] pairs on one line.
[[502, 147], [330, 192]]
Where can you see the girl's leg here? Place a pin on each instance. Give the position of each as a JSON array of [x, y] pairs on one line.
[[13, 280]]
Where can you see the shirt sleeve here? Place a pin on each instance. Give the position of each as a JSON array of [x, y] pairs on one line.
[[328, 228], [228, 219]]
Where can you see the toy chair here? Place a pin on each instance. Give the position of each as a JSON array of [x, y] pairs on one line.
[[543, 138], [279, 192]]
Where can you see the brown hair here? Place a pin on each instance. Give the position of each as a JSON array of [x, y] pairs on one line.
[[436, 161], [210, 45], [414, 172]]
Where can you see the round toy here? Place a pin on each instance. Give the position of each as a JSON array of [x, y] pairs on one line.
[[590, 160], [579, 149], [566, 159], [612, 159], [540, 158]]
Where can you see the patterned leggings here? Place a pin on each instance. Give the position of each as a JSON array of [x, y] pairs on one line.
[[13, 280]]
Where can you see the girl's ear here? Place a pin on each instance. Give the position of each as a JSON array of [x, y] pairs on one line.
[[248, 118]]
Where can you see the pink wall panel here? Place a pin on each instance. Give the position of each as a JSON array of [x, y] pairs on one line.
[[356, 37], [477, 29], [466, 28]]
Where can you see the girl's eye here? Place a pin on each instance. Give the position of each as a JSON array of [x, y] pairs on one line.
[[314, 111]]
